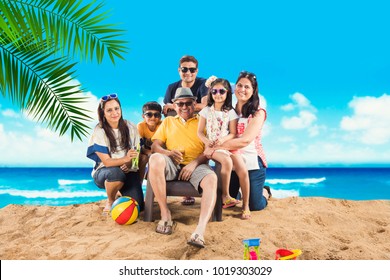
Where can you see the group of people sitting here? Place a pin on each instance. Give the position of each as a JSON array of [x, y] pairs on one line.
[[201, 124]]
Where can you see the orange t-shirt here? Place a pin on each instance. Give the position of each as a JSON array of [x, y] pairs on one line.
[[146, 134]]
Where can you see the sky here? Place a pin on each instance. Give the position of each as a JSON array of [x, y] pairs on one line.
[[323, 69]]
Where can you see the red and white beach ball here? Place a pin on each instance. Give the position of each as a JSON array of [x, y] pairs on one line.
[[125, 210]]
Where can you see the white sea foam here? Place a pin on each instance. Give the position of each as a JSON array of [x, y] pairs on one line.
[[63, 182], [284, 193], [52, 194], [307, 181]]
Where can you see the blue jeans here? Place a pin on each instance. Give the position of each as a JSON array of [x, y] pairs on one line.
[[257, 200], [132, 185]]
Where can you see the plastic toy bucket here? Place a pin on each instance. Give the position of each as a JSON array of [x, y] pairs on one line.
[[284, 254], [251, 249]]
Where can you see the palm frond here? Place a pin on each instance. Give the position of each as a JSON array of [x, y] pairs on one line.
[[39, 85], [38, 40], [75, 28]]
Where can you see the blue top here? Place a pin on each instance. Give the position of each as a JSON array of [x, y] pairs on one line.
[[199, 90]]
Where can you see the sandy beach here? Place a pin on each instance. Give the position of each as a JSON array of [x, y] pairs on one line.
[[324, 229]]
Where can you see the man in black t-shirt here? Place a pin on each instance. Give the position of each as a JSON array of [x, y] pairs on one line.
[[188, 69]]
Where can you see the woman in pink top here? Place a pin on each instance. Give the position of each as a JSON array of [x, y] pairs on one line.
[[250, 123]]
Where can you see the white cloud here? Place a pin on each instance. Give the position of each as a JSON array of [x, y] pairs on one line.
[[306, 117], [91, 104], [288, 107], [299, 102], [266, 130], [160, 100], [42, 147], [314, 130], [285, 139], [304, 120], [2, 134], [10, 113], [370, 121], [263, 102], [323, 153]]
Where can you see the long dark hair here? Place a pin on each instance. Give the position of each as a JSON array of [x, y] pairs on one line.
[[227, 105], [251, 107], [124, 132]]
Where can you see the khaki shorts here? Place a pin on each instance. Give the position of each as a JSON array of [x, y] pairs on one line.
[[172, 172]]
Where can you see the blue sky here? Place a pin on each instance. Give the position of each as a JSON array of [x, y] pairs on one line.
[[323, 69]]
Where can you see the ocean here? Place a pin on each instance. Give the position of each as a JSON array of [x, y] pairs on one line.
[[65, 186]]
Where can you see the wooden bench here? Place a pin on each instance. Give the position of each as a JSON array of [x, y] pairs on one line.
[[184, 188]]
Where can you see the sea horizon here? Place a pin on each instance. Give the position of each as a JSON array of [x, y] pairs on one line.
[[59, 186]]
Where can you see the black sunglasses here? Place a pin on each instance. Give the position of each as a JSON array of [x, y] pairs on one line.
[[149, 115], [221, 91], [181, 104], [246, 74], [185, 69]]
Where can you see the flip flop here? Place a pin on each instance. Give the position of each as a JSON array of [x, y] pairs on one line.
[[106, 211], [231, 202], [165, 227], [196, 240], [246, 215], [188, 200]]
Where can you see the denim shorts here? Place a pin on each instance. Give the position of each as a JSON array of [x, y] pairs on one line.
[[132, 184], [109, 174]]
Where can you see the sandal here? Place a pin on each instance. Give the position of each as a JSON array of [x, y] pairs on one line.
[[188, 200], [230, 202], [106, 210], [196, 240], [165, 227], [269, 191], [246, 215]]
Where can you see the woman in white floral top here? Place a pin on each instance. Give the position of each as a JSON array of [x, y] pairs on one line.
[[217, 124]]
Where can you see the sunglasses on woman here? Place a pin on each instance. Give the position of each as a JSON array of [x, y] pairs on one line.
[[108, 97], [185, 69], [221, 91], [150, 114]]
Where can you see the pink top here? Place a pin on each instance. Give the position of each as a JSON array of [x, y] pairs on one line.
[[241, 126]]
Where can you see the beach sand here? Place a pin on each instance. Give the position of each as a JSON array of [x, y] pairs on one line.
[[324, 229]]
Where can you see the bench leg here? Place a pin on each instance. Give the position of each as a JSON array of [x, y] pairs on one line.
[[149, 200], [217, 213]]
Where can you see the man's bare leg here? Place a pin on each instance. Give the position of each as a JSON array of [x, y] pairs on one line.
[[209, 197], [156, 178]]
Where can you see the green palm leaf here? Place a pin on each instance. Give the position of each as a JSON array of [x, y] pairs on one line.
[[46, 82], [38, 40]]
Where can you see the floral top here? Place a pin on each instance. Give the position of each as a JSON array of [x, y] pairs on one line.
[[217, 122]]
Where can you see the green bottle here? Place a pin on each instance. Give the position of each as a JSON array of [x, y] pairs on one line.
[[134, 161]]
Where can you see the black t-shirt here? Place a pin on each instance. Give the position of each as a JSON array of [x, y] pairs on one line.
[[199, 90]]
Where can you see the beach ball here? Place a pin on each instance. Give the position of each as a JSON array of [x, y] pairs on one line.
[[125, 210]]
